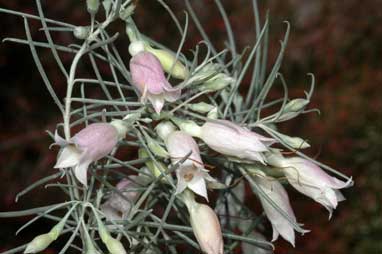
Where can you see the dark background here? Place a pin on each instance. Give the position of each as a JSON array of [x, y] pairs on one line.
[[339, 41]]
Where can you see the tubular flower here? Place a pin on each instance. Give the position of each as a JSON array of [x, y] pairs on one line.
[[148, 77], [231, 139], [311, 180], [88, 145], [206, 227], [276, 192], [191, 172], [117, 207]]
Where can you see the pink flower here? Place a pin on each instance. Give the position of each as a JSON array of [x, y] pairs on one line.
[[231, 139], [148, 77], [191, 172], [117, 207], [276, 192], [90, 144], [311, 180]]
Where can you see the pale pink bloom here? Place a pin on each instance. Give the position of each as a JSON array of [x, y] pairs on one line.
[[191, 172], [231, 139], [117, 207], [148, 77], [88, 145], [206, 227], [311, 180], [276, 192]]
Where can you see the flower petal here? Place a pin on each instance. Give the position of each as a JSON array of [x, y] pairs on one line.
[[198, 185], [68, 157], [81, 172], [157, 101]]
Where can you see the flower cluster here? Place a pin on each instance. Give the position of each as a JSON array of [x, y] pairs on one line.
[[179, 138]]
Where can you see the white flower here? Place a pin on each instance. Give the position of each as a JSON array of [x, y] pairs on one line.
[[191, 172], [311, 180], [231, 139], [276, 192]]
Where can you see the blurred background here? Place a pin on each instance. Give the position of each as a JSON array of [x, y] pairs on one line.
[[338, 41]]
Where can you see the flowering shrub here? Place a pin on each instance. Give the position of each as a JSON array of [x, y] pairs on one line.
[[195, 132]]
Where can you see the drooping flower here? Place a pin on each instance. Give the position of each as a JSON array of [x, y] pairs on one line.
[[231, 139], [148, 77], [88, 145], [276, 192], [205, 225], [191, 172], [117, 207], [311, 180]]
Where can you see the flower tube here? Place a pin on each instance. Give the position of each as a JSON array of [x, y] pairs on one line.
[[311, 180], [88, 145], [276, 192], [231, 139], [148, 77]]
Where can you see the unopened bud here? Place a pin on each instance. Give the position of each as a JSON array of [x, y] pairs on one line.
[[81, 32], [157, 168], [219, 82], [92, 6], [169, 63], [115, 247], [124, 14], [188, 126], [155, 147], [201, 107], [206, 227], [296, 105], [39, 243], [295, 142]]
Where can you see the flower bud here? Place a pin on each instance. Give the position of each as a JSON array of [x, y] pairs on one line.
[[156, 169], [188, 126], [155, 147], [114, 246], [296, 105], [216, 83], [92, 6], [295, 142], [206, 227], [125, 13], [201, 107], [39, 243], [169, 63], [81, 32]]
